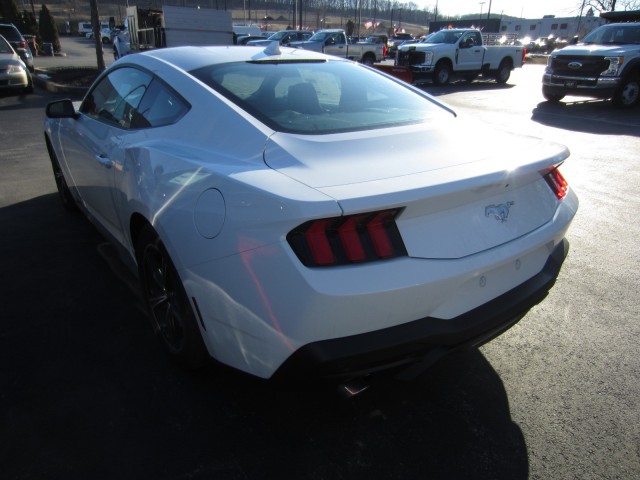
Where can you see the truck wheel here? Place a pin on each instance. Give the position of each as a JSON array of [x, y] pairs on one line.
[[627, 95], [552, 97], [368, 59], [442, 74], [504, 72], [116, 56]]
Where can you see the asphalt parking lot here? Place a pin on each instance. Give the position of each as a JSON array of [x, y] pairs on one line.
[[86, 391]]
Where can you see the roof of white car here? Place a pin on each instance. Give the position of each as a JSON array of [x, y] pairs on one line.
[[190, 58]]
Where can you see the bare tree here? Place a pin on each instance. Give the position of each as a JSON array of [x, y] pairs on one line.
[[611, 5]]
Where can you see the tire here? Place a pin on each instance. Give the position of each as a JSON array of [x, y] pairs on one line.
[[167, 303], [368, 59], [116, 56], [628, 93], [504, 72], [29, 88], [442, 74], [68, 202], [552, 97]]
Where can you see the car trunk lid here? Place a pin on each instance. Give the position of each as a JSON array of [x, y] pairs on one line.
[[458, 197]]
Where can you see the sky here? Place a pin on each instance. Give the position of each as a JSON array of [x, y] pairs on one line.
[[514, 8]]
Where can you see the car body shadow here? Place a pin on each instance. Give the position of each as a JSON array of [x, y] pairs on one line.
[[89, 391], [598, 117], [463, 86]]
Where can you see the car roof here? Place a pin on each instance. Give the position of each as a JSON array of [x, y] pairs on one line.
[[12, 29], [8, 43], [190, 58]]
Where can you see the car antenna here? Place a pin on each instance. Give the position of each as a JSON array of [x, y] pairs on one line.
[[273, 48]]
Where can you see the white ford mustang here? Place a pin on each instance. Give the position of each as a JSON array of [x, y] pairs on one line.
[[292, 213]]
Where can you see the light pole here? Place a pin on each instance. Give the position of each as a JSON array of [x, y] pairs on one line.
[[481, 5]]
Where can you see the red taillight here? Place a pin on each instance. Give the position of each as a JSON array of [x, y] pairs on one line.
[[23, 43], [350, 239], [557, 183], [345, 240], [378, 233], [315, 236]]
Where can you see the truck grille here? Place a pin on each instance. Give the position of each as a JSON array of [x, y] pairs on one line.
[[589, 66], [410, 57]]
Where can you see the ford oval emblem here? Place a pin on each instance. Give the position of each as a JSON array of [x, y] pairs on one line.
[[575, 65]]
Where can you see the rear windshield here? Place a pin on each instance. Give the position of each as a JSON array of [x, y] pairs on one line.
[[5, 47], [319, 97], [10, 33]]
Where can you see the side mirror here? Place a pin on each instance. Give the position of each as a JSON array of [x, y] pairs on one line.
[[61, 109]]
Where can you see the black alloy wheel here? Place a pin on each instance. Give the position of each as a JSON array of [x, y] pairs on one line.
[[167, 302]]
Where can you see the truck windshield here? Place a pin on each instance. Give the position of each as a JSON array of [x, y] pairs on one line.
[[445, 36], [319, 37], [278, 35], [614, 34], [319, 97]]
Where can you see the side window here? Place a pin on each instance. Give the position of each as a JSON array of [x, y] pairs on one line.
[[474, 36], [159, 106], [116, 97]]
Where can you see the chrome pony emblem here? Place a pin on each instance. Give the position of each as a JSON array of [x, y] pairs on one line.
[[574, 65], [499, 212]]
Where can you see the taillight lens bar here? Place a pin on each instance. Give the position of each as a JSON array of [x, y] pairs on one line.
[[557, 183], [350, 239]]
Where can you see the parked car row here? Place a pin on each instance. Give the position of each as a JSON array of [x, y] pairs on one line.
[[283, 37], [106, 34]]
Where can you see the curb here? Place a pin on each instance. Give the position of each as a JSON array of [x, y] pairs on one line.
[[41, 79]]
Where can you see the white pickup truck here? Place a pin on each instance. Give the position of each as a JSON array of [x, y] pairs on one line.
[[334, 42], [606, 64], [463, 52]]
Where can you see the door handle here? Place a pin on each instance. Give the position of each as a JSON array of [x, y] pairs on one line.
[[104, 160]]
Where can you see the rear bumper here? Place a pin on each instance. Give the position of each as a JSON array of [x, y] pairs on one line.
[[422, 341]]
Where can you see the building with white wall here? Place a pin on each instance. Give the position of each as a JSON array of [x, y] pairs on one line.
[[549, 26]]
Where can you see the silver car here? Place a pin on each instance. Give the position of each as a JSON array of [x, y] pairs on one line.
[[14, 74]]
